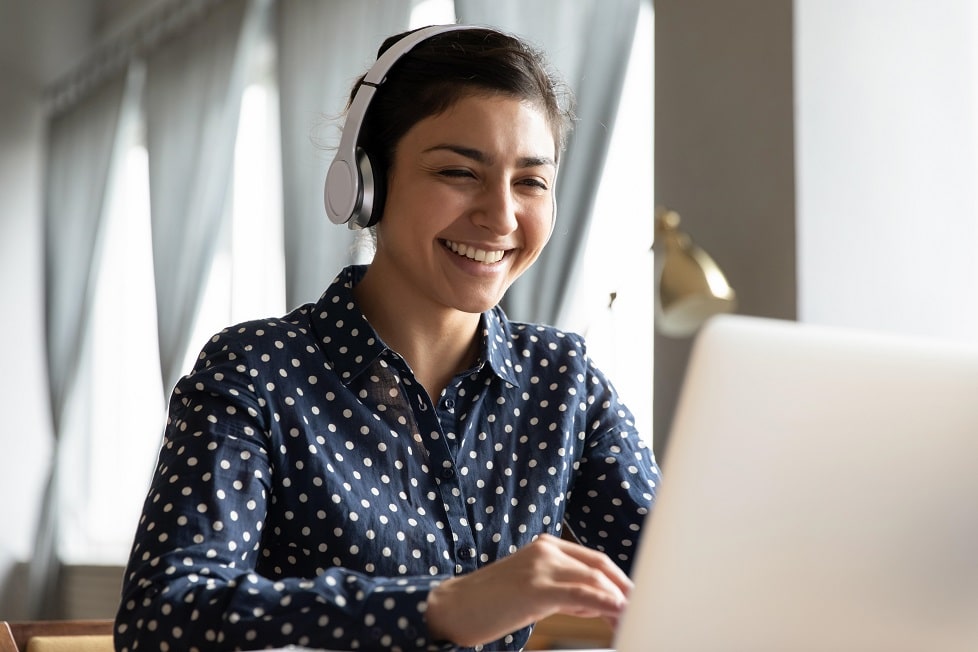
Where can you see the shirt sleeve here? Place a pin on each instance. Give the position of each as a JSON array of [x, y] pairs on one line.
[[193, 581], [618, 477]]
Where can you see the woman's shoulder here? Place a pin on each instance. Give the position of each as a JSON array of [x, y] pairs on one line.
[[532, 331], [540, 341], [270, 333], [296, 325]]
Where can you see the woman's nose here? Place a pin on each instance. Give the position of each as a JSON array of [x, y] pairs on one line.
[[496, 210]]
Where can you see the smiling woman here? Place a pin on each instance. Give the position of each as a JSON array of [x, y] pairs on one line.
[[103, 491], [376, 469]]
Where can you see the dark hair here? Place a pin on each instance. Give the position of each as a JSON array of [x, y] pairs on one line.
[[441, 70]]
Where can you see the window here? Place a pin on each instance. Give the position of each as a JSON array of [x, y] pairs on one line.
[[247, 280], [108, 476], [614, 299], [108, 473]]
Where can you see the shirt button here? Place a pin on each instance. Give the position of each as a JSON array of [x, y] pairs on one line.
[[448, 473], [449, 403], [465, 553]]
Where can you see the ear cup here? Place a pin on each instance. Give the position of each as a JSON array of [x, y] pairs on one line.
[[370, 204], [354, 194], [342, 193]]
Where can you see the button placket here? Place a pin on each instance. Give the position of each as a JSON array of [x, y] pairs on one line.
[[447, 478]]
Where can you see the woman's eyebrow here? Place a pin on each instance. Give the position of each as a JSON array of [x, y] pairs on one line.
[[481, 157], [535, 161]]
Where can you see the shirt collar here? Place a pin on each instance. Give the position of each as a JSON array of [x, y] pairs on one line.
[[497, 345], [352, 345]]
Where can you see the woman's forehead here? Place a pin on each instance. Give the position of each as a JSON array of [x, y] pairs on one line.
[[472, 112]]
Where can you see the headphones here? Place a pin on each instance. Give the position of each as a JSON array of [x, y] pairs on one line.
[[354, 192]]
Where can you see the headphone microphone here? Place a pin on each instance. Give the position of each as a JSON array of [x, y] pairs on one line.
[[354, 190]]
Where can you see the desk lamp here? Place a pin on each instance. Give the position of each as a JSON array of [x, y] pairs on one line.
[[689, 286]]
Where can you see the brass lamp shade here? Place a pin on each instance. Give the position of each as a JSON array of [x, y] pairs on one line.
[[689, 286]]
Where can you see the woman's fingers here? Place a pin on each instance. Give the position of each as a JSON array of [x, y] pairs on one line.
[[595, 560], [549, 576]]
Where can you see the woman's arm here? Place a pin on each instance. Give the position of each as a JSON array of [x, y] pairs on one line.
[[201, 575], [617, 479]]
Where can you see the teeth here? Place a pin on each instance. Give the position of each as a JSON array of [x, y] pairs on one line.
[[480, 255]]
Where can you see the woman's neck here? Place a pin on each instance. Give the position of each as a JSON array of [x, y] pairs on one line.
[[436, 343]]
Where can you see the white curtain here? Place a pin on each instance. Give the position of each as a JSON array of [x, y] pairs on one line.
[[194, 86], [82, 148], [589, 42], [322, 48]]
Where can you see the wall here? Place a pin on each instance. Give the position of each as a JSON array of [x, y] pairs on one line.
[[825, 153], [724, 157], [887, 165]]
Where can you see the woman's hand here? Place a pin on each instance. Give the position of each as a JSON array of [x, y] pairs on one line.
[[548, 576]]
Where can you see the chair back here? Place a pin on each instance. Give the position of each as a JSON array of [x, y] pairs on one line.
[[56, 636], [7, 643]]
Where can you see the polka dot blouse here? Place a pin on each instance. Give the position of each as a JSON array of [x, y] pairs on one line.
[[309, 492]]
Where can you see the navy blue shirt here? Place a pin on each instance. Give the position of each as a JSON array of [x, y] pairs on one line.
[[309, 491]]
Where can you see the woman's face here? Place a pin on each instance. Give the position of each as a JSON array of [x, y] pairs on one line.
[[469, 203]]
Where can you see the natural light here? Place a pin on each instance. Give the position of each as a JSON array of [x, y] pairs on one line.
[[127, 403], [613, 303]]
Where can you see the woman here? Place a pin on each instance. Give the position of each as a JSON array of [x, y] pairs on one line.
[[392, 467]]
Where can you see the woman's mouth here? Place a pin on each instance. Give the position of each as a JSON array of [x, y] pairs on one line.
[[474, 253]]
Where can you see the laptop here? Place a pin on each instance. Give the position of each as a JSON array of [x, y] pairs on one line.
[[820, 492]]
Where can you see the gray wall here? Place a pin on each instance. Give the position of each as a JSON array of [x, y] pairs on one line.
[[887, 158], [724, 157]]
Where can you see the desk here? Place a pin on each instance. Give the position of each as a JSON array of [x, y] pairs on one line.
[[556, 633], [562, 631]]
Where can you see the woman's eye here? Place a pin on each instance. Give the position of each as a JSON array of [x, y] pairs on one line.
[[455, 173], [536, 183]]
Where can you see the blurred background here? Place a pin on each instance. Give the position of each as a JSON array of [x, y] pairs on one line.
[[161, 164]]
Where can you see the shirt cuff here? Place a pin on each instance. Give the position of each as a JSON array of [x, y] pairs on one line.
[[395, 616]]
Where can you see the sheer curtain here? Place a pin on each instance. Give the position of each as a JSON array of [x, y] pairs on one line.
[[194, 87], [322, 48], [82, 147], [589, 43]]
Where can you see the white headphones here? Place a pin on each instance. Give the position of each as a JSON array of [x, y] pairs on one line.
[[352, 194]]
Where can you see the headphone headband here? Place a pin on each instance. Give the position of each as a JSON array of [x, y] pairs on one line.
[[351, 190]]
